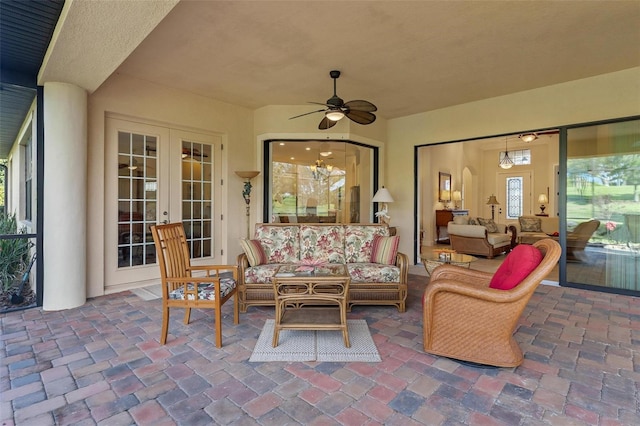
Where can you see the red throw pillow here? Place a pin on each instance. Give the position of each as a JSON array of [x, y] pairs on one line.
[[519, 263]]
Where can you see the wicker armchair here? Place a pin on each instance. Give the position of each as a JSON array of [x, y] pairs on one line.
[[466, 320]]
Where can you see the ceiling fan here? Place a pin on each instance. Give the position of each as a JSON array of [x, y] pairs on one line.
[[359, 111]]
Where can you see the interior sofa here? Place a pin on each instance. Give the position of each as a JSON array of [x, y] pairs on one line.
[[478, 236], [529, 229], [381, 280]]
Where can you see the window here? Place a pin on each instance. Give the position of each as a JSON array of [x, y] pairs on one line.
[[519, 157], [28, 179], [323, 182]]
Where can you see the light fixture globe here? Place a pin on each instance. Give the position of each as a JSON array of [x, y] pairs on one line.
[[334, 115], [528, 137]]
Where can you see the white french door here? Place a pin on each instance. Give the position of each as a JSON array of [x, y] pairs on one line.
[[155, 174]]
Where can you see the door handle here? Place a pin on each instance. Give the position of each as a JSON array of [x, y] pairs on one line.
[[166, 214]]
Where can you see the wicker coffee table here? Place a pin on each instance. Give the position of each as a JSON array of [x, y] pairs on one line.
[[432, 260], [313, 299]]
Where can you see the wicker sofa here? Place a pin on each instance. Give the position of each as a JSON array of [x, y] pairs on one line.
[[479, 236], [371, 283]]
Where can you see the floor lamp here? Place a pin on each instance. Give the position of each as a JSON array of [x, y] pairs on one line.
[[493, 203], [246, 192]]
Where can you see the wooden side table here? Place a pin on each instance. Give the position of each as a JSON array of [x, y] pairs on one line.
[[311, 300], [443, 217]]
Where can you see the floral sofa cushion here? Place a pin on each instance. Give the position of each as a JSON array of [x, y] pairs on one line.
[[324, 243], [261, 274], [373, 273], [281, 243], [358, 242], [206, 291]]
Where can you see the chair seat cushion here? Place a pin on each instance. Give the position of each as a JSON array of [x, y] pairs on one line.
[[518, 264], [206, 291]]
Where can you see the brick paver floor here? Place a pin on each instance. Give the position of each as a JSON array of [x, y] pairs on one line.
[[102, 364]]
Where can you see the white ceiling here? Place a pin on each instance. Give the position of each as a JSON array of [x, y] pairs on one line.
[[404, 56]]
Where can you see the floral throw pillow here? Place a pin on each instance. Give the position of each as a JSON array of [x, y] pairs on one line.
[[530, 224], [473, 221], [489, 224]]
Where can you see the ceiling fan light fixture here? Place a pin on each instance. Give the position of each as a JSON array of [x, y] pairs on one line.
[[528, 137], [334, 115]]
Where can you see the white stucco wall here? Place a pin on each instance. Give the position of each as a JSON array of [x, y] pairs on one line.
[[147, 101], [607, 96]]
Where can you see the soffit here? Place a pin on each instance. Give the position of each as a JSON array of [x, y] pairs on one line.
[[25, 32]]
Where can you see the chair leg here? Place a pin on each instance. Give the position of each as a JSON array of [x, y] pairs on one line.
[[187, 314], [236, 316], [165, 325], [218, 316]]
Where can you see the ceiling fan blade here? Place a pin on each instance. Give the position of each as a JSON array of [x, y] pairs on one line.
[[361, 117], [326, 124], [360, 105], [307, 113]]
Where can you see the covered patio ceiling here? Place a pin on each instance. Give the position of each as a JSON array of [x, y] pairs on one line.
[[405, 57]]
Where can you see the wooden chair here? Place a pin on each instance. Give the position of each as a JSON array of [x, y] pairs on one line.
[[465, 319], [181, 289]]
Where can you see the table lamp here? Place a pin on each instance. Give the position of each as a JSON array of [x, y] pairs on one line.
[[383, 196]]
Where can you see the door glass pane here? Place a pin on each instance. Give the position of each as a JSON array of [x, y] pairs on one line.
[[603, 205], [197, 166], [514, 197], [321, 182], [136, 199]]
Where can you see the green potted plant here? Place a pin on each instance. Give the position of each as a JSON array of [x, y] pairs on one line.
[[15, 254]]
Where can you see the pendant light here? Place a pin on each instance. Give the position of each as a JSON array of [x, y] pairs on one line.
[[506, 162]]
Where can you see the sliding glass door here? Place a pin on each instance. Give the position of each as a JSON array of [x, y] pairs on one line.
[[603, 206]]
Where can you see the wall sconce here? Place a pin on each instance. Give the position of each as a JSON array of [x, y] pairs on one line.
[[383, 196], [246, 192], [457, 196]]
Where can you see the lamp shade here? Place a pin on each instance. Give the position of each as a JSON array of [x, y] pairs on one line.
[[382, 196], [543, 199], [248, 174], [457, 196], [492, 201], [445, 195]]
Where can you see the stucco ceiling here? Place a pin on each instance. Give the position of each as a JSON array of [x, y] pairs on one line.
[[406, 57]]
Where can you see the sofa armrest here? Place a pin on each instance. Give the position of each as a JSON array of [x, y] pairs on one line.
[[243, 264], [402, 262]]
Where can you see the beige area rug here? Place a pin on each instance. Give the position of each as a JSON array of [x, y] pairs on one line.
[[320, 346]]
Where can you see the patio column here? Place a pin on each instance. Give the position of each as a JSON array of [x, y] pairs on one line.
[[65, 196]]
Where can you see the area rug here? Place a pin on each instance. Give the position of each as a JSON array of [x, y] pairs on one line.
[[320, 346]]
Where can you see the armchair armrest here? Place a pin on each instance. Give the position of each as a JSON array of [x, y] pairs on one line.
[[451, 272], [217, 269]]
